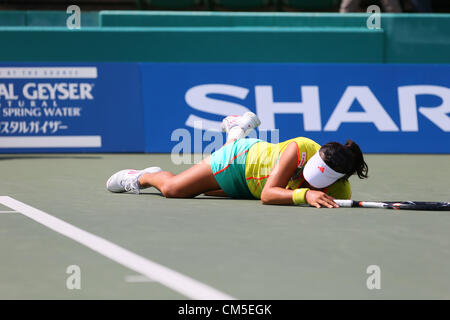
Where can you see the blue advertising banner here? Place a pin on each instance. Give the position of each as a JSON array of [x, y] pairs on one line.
[[67, 107], [384, 108]]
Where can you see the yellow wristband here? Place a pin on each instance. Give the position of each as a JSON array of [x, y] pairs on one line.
[[298, 196]]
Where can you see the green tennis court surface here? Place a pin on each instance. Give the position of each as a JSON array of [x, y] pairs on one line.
[[238, 248]]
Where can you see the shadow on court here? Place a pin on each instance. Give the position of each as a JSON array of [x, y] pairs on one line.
[[199, 197]]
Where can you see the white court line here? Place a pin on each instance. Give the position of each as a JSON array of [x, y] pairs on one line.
[[7, 211], [138, 278], [174, 280]]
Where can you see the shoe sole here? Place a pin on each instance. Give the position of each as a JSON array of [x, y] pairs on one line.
[[254, 121]]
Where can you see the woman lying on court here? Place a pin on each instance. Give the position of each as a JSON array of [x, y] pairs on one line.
[[295, 171]]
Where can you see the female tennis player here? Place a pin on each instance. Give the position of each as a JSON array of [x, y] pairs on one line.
[[293, 172]]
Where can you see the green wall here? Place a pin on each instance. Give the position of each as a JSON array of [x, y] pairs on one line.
[[44, 18], [224, 37]]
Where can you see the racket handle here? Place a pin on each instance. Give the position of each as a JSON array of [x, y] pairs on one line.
[[361, 204], [344, 203]]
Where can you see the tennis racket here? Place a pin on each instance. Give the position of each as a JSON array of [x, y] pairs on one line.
[[397, 205]]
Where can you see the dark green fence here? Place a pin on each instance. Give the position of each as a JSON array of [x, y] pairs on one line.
[[224, 37]]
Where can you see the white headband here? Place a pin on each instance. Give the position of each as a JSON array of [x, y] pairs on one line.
[[318, 174]]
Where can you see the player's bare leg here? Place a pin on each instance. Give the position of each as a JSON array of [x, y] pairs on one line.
[[196, 180]]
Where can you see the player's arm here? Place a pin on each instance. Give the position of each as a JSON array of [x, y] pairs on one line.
[[275, 191]]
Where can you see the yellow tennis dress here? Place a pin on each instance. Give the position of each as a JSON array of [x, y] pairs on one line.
[[263, 156], [241, 168]]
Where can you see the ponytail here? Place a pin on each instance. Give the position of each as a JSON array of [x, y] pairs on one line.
[[359, 165]]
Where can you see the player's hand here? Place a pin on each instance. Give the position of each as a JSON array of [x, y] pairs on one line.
[[318, 199]]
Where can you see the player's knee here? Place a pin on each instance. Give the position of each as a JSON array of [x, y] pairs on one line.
[[171, 190]]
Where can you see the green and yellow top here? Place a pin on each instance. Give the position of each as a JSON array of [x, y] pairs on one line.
[[263, 156]]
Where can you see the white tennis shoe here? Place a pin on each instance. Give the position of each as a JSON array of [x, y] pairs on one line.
[[247, 122], [127, 180]]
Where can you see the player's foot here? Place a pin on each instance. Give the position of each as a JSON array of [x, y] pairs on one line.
[[127, 180], [247, 122]]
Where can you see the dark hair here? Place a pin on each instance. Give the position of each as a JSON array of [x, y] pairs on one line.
[[347, 159]]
